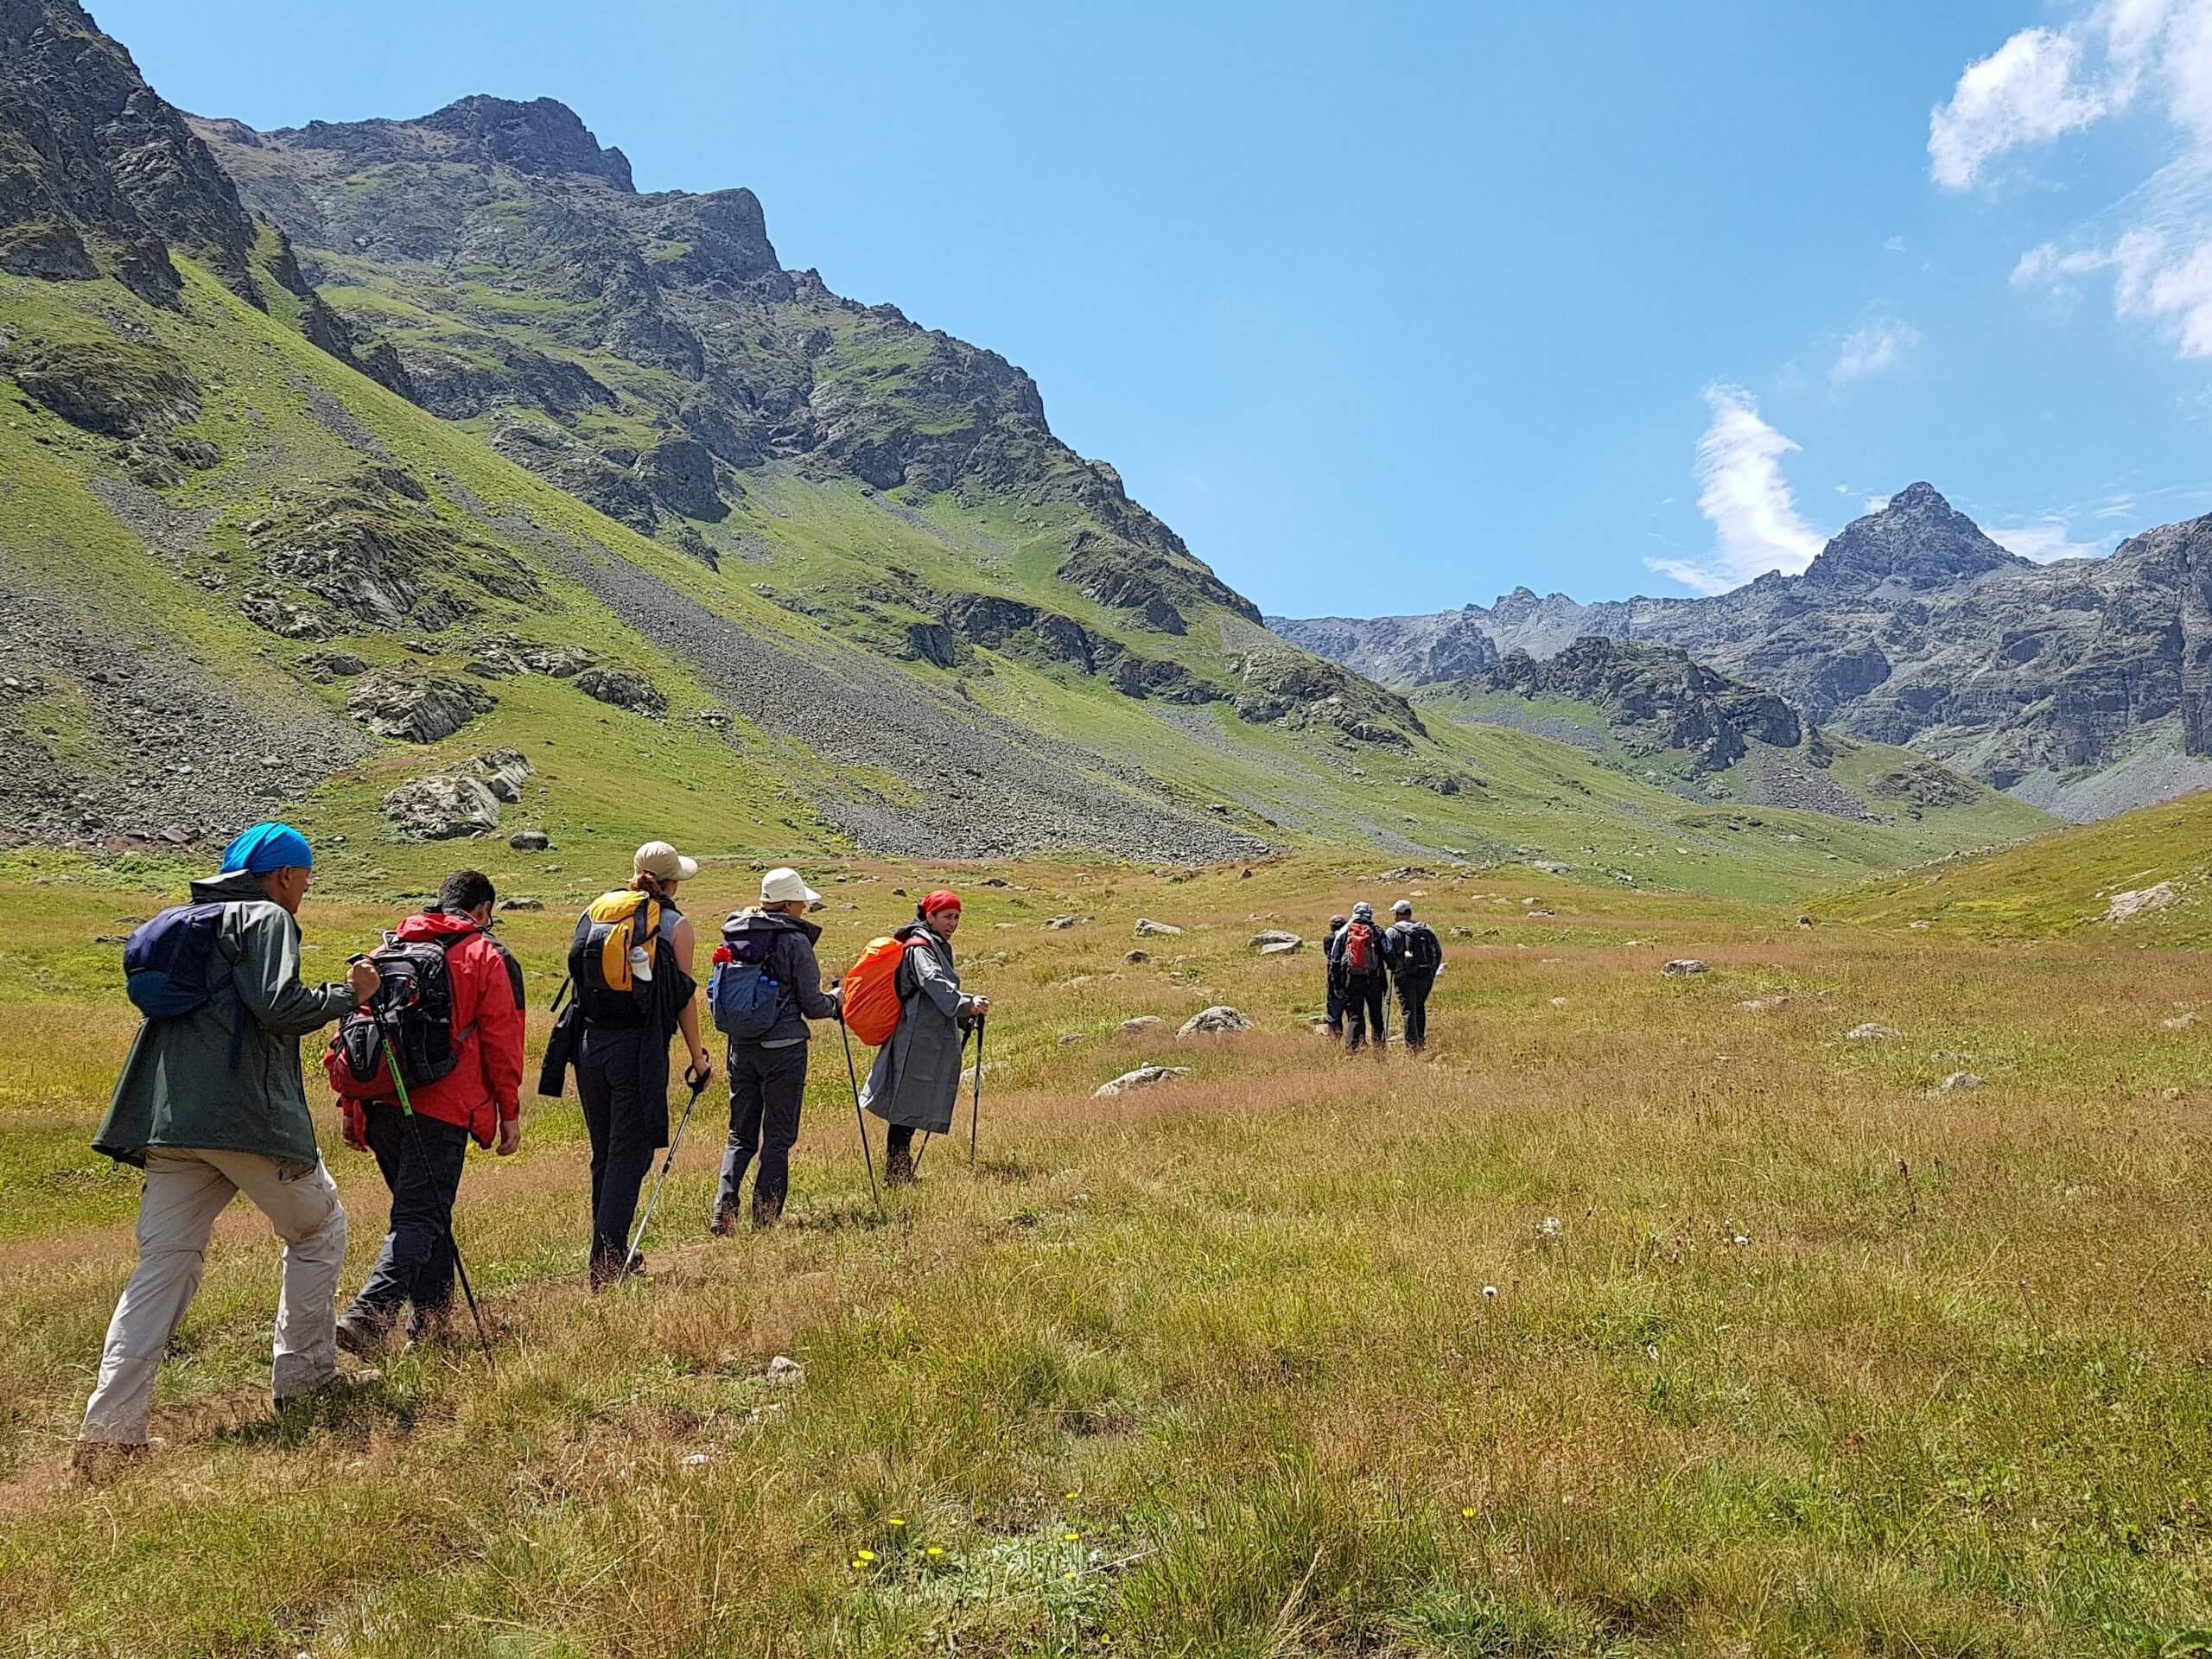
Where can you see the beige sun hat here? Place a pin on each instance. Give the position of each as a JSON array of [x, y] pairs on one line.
[[664, 863], [781, 887]]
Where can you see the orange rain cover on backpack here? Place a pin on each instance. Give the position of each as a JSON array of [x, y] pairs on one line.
[[870, 991]]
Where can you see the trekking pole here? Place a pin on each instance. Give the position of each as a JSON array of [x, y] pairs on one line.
[[975, 1100], [422, 1162], [698, 1081], [859, 1122]]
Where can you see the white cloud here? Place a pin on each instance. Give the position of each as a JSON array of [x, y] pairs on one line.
[[2027, 91], [1756, 524], [1894, 244], [2047, 539], [2155, 244], [1873, 348]]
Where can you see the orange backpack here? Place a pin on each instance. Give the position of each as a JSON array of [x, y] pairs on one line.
[[870, 991]]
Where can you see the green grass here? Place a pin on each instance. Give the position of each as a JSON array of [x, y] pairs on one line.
[[1816, 1360], [2061, 884]]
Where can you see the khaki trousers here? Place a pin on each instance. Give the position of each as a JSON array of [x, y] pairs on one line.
[[185, 1190]]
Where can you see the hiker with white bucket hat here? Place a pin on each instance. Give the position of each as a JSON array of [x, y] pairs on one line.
[[766, 985]]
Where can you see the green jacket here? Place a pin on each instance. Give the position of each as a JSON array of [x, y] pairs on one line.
[[179, 1087]]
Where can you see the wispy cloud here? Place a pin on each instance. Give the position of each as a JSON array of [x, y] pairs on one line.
[[1756, 524], [2046, 540], [1874, 347], [2029, 91], [1893, 244], [2156, 243]]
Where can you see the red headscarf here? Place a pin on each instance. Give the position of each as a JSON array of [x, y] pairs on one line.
[[943, 898]]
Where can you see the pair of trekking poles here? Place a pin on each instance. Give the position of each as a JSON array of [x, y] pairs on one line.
[[867, 1155]]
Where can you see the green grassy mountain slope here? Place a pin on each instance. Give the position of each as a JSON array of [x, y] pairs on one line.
[[2068, 883]]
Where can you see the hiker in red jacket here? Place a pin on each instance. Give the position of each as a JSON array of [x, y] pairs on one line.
[[480, 1098]]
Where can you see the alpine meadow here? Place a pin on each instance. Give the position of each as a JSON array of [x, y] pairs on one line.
[[1652, 1125]]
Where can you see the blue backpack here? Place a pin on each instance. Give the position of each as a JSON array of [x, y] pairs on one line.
[[744, 995], [174, 963]]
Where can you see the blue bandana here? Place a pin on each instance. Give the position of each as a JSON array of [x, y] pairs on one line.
[[267, 847]]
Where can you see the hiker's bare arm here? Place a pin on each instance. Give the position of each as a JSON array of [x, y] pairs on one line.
[[684, 943]]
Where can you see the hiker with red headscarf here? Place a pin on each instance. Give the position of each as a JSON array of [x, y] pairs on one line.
[[916, 1077]]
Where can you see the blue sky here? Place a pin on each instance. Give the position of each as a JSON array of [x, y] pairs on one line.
[[1389, 312]]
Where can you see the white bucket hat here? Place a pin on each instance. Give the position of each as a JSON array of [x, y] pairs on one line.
[[782, 887]]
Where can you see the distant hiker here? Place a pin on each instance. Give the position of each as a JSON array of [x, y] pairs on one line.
[[211, 1104], [1363, 956], [1417, 954], [916, 1077], [1334, 1019], [458, 1039], [630, 961], [766, 986]]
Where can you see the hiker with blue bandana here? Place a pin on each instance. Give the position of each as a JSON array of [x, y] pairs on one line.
[[211, 1104]]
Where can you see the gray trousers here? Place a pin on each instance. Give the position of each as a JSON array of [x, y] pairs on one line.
[[185, 1191]]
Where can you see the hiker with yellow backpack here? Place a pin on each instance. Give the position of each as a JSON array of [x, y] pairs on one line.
[[630, 964]]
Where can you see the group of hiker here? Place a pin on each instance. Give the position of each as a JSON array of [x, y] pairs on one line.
[[1363, 958], [429, 1056]]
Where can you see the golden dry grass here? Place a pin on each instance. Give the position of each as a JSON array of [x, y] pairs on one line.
[[1818, 1359]]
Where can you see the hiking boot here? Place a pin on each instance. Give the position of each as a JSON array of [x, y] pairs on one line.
[[899, 1167], [768, 1209], [362, 1335], [725, 1221]]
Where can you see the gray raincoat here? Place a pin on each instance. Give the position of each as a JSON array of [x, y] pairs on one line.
[[179, 1088], [916, 1077]]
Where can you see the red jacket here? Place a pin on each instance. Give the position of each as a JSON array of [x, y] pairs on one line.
[[484, 1088]]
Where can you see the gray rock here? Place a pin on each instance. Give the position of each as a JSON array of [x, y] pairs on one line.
[[1961, 1080], [503, 771], [1682, 967], [1138, 956], [1219, 1018], [1286, 948], [1144, 1076], [786, 1372], [2180, 1021], [2142, 901], [624, 687], [522, 904], [1059, 922], [443, 807], [1142, 1024], [1147, 928], [530, 841], [1872, 1031], [418, 709], [1269, 936]]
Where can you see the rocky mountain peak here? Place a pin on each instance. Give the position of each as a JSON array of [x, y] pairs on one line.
[[543, 139], [1917, 541]]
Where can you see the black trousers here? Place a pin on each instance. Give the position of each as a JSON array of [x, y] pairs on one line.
[[898, 1135], [767, 1088], [622, 1079], [1413, 1004], [1335, 1017], [1363, 1011], [422, 1165]]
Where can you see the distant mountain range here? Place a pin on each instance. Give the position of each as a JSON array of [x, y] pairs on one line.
[[2084, 687]]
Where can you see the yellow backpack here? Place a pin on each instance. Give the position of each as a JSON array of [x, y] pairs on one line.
[[613, 955]]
